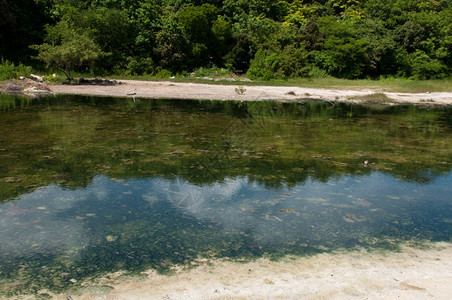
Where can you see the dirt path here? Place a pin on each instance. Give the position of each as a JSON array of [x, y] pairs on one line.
[[177, 90]]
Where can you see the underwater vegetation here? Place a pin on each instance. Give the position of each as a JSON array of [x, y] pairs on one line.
[[94, 185]]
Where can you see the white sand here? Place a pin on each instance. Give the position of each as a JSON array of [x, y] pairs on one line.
[[175, 90], [410, 274]]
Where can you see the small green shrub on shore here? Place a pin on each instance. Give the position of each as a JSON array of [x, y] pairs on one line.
[[211, 72], [9, 71], [163, 74]]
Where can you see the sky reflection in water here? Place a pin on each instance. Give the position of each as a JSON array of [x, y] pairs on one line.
[[346, 212], [93, 185]]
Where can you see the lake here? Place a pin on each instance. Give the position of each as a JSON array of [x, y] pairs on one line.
[[91, 185]]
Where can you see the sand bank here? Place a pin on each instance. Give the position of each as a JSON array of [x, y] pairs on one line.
[[176, 90], [410, 274]]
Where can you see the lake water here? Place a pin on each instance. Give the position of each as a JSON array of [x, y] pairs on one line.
[[93, 185]]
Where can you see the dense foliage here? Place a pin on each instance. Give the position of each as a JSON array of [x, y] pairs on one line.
[[266, 39]]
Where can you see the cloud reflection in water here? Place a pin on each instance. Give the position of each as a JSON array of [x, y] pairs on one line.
[[341, 211]]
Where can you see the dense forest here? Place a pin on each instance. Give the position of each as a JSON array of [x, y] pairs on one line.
[[263, 38]]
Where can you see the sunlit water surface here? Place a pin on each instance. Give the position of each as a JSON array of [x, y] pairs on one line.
[[95, 185]]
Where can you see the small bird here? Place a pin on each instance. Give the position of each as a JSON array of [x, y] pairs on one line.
[[366, 163], [68, 297]]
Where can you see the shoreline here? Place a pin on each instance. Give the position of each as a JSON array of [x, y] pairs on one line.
[[412, 273], [139, 89], [202, 91]]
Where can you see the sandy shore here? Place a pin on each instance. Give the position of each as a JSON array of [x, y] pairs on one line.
[[410, 274], [176, 90]]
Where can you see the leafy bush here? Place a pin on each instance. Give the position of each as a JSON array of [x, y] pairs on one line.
[[424, 67], [238, 59], [163, 73], [343, 53], [140, 66], [263, 65], [211, 72], [316, 72], [8, 70], [269, 64], [54, 78]]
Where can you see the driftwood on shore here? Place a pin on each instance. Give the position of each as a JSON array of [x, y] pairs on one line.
[[36, 86], [98, 81]]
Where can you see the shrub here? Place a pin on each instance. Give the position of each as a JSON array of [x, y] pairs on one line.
[[269, 64], [140, 66], [163, 73], [8, 70], [263, 65], [424, 67], [316, 72], [211, 72]]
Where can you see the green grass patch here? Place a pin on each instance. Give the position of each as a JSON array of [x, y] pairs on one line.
[[379, 86]]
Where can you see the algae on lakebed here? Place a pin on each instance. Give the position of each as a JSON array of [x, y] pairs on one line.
[[94, 185]]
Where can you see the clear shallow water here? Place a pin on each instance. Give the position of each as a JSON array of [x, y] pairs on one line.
[[96, 185]]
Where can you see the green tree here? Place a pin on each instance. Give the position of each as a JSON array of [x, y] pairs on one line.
[[282, 55], [343, 53], [424, 67], [146, 18], [382, 49], [275, 38], [197, 22], [299, 13], [289, 61], [222, 39], [171, 45], [67, 49], [111, 30], [238, 59]]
